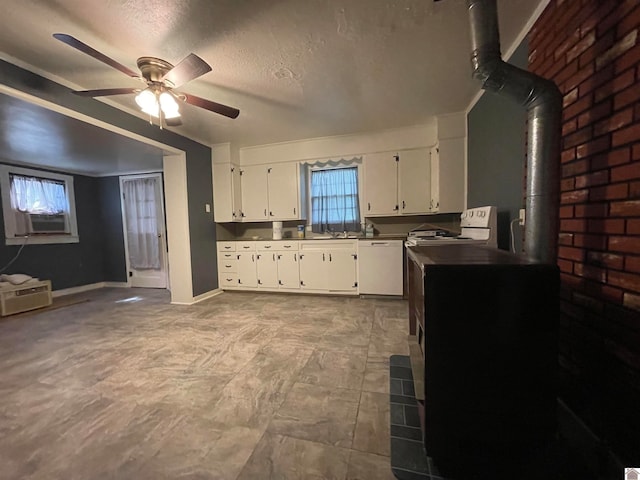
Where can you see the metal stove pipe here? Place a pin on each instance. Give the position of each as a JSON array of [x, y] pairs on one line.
[[544, 106]]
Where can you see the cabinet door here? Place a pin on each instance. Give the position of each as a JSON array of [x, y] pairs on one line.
[[254, 193], [381, 184], [222, 193], [236, 193], [434, 203], [247, 270], [342, 268], [283, 191], [414, 184], [451, 176], [313, 275], [288, 271], [267, 269]]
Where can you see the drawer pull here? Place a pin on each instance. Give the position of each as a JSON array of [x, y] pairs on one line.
[[267, 246], [287, 246]]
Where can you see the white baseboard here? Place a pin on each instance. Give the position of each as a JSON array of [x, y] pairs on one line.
[[201, 297], [87, 288]]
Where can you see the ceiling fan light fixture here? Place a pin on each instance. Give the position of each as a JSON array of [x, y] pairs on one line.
[[169, 105], [147, 101]]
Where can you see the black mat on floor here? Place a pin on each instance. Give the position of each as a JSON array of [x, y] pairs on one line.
[[409, 460], [558, 460]]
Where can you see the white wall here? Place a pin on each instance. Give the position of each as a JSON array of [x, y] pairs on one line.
[[338, 146]]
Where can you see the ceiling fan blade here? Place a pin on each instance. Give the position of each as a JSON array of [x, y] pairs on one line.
[[173, 122], [105, 92], [84, 48], [211, 106], [189, 68]]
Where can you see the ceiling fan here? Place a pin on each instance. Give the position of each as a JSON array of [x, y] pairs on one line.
[[157, 99]]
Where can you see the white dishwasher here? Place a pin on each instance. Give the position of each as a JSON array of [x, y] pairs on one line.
[[380, 267]]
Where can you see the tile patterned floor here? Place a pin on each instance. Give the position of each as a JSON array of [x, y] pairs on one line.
[[241, 386]]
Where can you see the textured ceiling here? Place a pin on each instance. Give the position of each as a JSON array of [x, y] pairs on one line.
[[295, 68]]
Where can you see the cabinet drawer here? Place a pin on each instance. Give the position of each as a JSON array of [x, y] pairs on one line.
[[228, 265], [228, 279], [225, 257], [226, 246], [286, 246], [245, 246]]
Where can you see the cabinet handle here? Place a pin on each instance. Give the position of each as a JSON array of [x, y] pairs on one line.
[[227, 266], [238, 257], [396, 208], [271, 214], [267, 246], [258, 256], [329, 257], [323, 257], [287, 246], [295, 257], [403, 204], [279, 282], [355, 256], [259, 282], [242, 214], [294, 210], [265, 212], [229, 279], [252, 258], [274, 257], [368, 205], [301, 255], [279, 257], [227, 247], [302, 283]]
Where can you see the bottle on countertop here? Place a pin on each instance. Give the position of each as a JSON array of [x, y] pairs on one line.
[[300, 231], [368, 230]]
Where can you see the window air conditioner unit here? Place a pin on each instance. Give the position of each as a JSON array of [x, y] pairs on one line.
[[33, 223], [25, 297]]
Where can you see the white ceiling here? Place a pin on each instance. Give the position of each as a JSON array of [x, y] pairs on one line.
[[295, 68]]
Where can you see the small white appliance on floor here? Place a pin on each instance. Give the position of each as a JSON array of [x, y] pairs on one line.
[[477, 226]]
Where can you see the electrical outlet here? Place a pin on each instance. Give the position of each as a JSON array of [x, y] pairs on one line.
[[521, 217]]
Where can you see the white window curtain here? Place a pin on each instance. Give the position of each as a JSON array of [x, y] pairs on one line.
[[334, 200], [38, 195], [141, 215]]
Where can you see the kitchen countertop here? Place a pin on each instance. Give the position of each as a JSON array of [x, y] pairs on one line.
[[266, 239]]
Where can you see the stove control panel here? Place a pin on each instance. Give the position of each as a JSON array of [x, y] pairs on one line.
[[479, 217]]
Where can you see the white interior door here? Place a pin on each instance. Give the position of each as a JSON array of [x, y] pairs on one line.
[[144, 230]]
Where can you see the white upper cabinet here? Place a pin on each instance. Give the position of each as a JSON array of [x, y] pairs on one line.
[[447, 176], [397, 183], [414, 184], [227, 201], [255, 196], [271, 192], [381, 184], [283, 182]]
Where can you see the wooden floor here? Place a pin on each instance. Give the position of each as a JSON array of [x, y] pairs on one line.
[[241, 386]]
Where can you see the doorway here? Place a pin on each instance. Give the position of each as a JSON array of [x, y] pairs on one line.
[[143, 220]]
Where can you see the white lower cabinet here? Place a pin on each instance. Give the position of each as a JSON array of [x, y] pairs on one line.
[[278, 265], [288, 271], [267, 269], [329, 266], [309, 266], [247, 273], [312, 270]]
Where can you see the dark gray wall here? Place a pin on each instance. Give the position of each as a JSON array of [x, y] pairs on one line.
[[199, 177], [496, 155], [114, 266]]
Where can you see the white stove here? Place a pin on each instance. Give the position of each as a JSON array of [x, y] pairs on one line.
[[477, 226]]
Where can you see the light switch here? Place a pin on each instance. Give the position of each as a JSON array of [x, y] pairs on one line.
[[207, 208]]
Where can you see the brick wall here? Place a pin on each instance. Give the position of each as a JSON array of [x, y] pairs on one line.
[[591, 48]]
